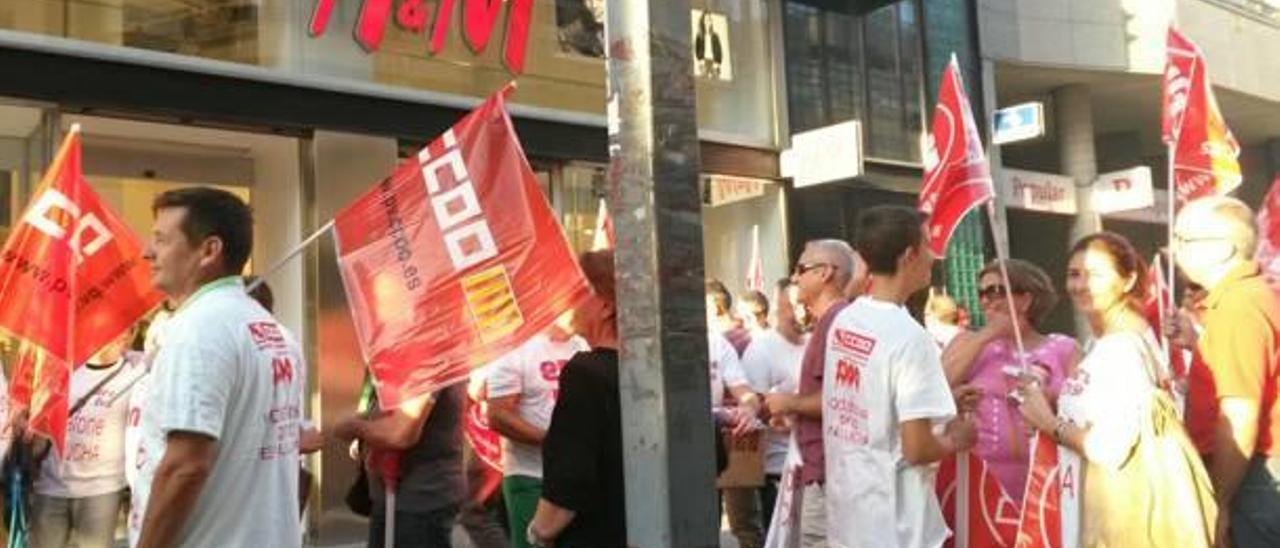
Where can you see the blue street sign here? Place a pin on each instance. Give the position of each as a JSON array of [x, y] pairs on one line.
[[1017, 123]]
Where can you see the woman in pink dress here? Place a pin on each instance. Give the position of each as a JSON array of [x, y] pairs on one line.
[[987, 359]]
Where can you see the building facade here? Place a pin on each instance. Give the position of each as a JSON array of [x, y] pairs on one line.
[[1097, 67]]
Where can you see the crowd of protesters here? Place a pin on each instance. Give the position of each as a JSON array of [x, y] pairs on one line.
[[1169, 423]]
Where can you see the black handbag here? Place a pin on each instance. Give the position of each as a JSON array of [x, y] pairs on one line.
[[357, 498]]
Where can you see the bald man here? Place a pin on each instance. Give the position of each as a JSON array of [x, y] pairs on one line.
[[826, 273], [1215, 240]]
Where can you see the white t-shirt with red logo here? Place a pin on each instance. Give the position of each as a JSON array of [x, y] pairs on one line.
[[94, 453], [532, 372], [227, 370], [882, 369]]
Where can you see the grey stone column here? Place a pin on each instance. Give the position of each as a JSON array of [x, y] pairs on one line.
[[1073, 114], [656, 207]]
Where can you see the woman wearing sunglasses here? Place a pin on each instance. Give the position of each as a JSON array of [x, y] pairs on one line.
[[987, 360]]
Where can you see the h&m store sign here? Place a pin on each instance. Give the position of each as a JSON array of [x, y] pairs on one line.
[[479, 17]]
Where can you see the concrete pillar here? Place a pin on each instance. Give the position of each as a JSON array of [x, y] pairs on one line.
[[656, 206], [1073, 116]]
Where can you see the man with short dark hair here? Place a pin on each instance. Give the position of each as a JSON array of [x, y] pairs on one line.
[[219, 447], [883, 392], [1215, 240]]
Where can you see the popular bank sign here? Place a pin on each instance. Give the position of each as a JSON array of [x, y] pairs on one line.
[[479, 18]]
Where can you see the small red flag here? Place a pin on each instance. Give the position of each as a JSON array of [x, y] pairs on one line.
[[602, 238], [990, 513], [956, 176], [1042, 513], [1204, 150], [755, 267], [1268, 254], [72, 279], [453, 260]]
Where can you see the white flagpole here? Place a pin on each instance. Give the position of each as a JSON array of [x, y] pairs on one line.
[[389, 532], [1002, 259], [1173, 197], [262, 278]]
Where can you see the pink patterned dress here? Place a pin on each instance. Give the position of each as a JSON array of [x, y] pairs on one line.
[[1002, 437]]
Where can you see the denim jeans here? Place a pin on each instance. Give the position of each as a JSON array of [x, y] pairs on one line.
[[86, 522], [1255, 511]]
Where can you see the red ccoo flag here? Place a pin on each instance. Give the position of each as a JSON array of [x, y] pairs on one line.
[[1042, 510], [454, 259], [72, 279], [1203, 148], [956, 176]]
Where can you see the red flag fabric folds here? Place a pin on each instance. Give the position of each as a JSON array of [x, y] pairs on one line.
[[991, 516], [956, 175], [72, 279], [454, 259], [1042, 512], [1204, 150], [1268, 254]]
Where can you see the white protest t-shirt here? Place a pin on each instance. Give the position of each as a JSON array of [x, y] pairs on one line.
[[532, 372], [882, 369], [1108, 393], [94, 462], [227, 370], [133, 429], [724, 367], [776, 363]]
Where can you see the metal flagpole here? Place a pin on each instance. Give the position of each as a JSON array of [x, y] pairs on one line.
[[262, 278]]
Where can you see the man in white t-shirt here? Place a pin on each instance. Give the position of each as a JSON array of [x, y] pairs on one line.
[[522, 390], [883, 393], [218, 458], [78, 492], [772, 365]]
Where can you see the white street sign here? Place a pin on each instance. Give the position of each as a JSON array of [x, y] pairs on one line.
[[1123, 190], [822, 155], [1035, 191], [1017, 123]]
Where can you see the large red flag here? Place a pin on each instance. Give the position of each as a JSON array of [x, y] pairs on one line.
[[956, 176], [72, 279], [454, 259], [990, 515], [1204, 150]]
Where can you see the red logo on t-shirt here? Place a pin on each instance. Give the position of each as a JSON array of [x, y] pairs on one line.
[[281, 370], [266, 335], [848, 374], [853, 342], [551, 369]]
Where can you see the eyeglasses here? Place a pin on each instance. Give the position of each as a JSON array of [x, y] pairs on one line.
[[1185, 239], [802, 268], [993, 292]]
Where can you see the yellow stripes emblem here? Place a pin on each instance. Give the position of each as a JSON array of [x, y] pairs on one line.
[[492, 303]]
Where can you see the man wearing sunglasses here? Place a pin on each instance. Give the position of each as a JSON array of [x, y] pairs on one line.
[[825, 270], [1215, 240]]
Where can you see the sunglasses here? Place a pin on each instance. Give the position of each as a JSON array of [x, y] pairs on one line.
[[993, 292], [802, 268]]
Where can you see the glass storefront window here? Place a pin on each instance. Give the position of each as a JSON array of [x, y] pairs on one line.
[[412, 46], [842, 66], [734, 68]]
